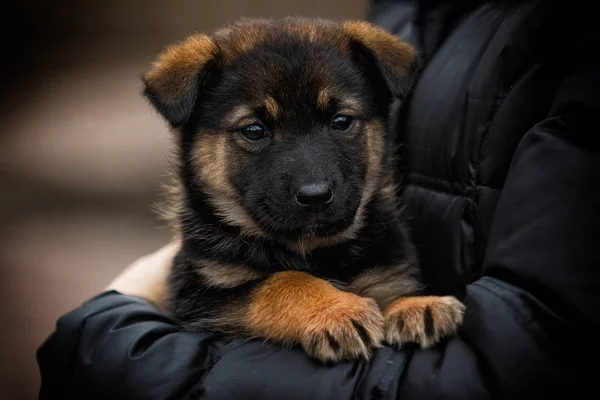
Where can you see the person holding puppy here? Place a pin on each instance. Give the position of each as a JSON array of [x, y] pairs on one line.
[[499, 167]]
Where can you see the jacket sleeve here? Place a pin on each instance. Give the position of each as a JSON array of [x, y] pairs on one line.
[[531, 322], [115, 346]]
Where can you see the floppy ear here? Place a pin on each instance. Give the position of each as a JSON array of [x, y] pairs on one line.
[[393, 60], [173, 82]]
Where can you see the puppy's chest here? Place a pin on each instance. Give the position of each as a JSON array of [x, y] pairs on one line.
[[340, 263], [337, 265]]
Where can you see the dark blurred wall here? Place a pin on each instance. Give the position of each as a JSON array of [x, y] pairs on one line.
[[82, 154]]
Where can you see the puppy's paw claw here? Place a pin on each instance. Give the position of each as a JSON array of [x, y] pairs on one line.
[[346, 331], [422, 320]]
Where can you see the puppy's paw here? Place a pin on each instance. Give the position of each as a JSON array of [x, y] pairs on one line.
[[347, 330], [422, 320]]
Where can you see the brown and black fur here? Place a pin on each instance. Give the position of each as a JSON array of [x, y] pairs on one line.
[[339, 279]]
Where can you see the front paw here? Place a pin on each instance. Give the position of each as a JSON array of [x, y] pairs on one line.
[[422, 320], [345, 331]]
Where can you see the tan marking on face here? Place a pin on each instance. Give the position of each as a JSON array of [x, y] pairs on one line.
[[238, 113], [225, 275], [211, 160], [172, 75], [272, 106], [349, 105], [234, 214], [375, 143], [323, 98], [375, 150]]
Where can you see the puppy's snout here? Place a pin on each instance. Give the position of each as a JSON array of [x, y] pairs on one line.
[[316, 196]]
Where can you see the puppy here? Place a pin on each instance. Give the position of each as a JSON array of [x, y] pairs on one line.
[[285, 197]]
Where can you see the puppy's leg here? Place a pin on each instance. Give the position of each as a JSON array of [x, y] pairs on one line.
[[331, 325], [422, 319], [409, 318], [286, 307]]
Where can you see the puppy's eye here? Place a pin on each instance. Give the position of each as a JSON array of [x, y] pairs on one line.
[[342, 122], [254, 132]]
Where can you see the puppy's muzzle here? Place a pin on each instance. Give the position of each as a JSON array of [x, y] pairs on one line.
[[315, 196]]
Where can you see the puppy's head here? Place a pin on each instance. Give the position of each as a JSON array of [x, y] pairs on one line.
[[281, 123]]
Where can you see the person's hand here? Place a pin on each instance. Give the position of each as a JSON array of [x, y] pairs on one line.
[[147, 276]]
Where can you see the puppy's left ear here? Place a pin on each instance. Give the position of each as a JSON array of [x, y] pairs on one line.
[[383, 53], [176, 79]]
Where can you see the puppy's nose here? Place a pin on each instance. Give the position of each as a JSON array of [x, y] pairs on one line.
[[314, 195]]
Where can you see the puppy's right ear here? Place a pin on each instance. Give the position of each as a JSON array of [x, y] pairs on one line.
[[173, 83]]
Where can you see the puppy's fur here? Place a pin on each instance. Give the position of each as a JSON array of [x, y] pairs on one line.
[[284, 197]]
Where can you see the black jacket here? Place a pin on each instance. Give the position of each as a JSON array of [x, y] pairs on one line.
[[502, 159]]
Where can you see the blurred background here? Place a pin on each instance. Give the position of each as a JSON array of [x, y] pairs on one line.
[[82, 155]]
